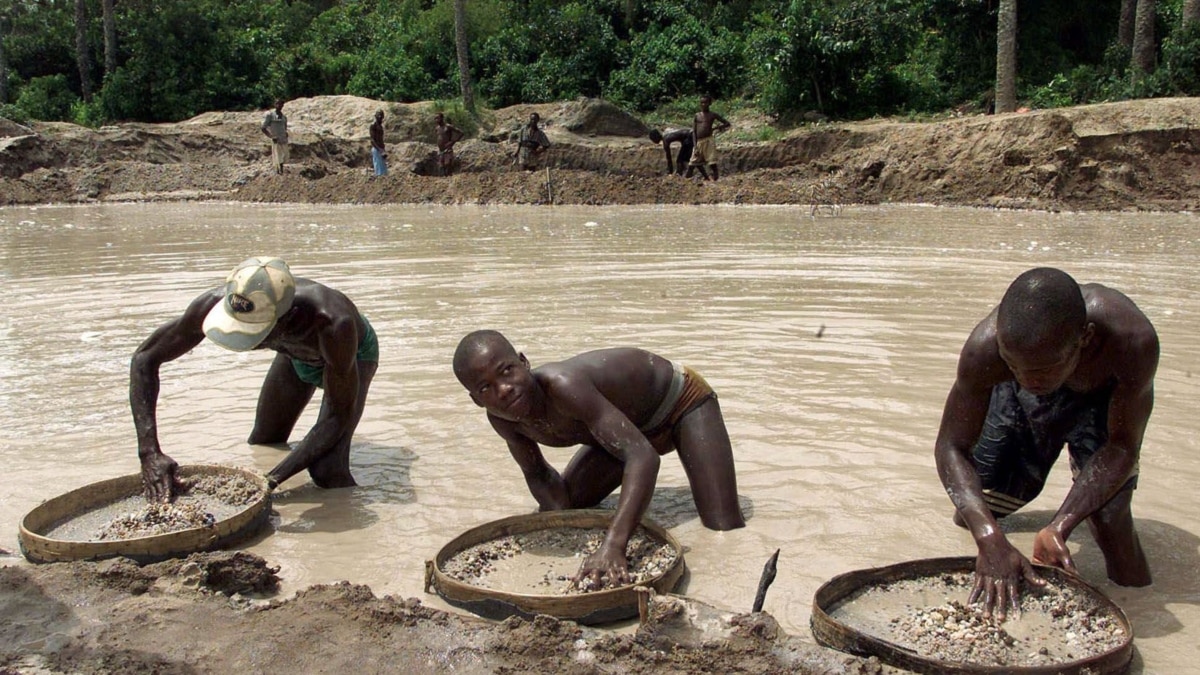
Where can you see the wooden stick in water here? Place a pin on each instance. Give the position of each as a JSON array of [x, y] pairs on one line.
[[764, 582]]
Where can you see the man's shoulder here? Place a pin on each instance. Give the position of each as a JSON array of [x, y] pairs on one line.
[[981, 351], [324, 298], [1116, 312]]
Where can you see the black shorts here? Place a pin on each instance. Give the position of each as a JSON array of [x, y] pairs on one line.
[[1023, 437]]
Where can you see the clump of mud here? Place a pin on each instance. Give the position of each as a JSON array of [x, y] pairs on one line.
[[1056, 624], [203, 501], [545, 562]]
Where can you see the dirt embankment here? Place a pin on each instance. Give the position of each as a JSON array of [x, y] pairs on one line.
[[1131, 155], [207, 614]]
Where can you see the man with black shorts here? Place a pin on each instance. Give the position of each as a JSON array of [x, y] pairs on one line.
[[1056, 363]]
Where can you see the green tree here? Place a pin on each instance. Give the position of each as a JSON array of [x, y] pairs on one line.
[[839, 58], [681, 53]]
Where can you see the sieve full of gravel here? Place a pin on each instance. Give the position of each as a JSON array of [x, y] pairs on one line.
[[1058, 624], [205, 500], [544, 562]]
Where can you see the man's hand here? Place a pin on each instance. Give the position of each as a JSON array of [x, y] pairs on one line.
[[604, 568], [999, 570], [160, 481], [1049, 548]]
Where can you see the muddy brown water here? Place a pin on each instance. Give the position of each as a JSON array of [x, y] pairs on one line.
[[831, 342]]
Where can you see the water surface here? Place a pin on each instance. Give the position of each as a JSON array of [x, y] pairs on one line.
[[831, 341]]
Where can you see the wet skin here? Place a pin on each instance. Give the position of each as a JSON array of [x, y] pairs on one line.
[[1118, 344], [684, 138], [705, 124], [447, 136], [597, 400], [322, 327]]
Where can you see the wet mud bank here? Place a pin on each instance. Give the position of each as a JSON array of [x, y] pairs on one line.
[[214, 613], [1135, 155]]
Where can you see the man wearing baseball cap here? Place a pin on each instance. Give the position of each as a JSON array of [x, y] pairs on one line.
[[321, 340]]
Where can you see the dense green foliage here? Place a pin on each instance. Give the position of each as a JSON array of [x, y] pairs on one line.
[[841, 58]]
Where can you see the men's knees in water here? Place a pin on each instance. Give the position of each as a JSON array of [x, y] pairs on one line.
[[331, 482], [723, 521]]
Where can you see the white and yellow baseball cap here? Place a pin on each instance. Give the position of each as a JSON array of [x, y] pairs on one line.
[[257, 292]]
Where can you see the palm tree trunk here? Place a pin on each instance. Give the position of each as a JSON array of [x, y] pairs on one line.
[[110, 38], [464, 59], [3, 62], [1125, 27], [1143, 39], [1006, 57], [1191, 12], [83, 58]]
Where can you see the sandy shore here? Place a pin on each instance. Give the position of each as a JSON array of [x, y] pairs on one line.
[[1139, 155]]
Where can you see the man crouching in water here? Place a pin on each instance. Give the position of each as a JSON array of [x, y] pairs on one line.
[[1056, 363], [625, 407], [320, 339]]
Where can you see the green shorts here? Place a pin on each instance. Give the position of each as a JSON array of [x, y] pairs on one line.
[[368, 350]]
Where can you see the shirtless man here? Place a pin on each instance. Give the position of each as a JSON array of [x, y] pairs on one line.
[[320, 340], [447, 136], [378, 148], [1055, 363], [625, 407], [704, 125], [686, 143]]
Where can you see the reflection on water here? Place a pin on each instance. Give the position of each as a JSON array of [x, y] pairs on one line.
[[831, 342]]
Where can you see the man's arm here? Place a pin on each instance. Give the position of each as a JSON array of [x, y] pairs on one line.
[[999, 566], [624, 441], [723, 123], [1109, 469], [266, 127], [545, 483], [667, 149], [167, 343], [338, 343]]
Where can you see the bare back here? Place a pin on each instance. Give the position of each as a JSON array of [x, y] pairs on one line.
[[633, 381], [1124, 348]]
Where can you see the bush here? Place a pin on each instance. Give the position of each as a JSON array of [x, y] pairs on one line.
[[1179, 74], [570, 53], [88, 113], [679, 55], [11, 112], [47, 98], [458, 116]]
